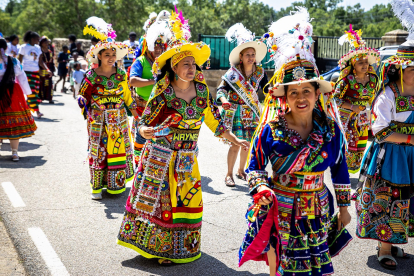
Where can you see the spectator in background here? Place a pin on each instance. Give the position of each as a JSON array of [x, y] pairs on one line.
[[79, 49], [77, 78], [71, 67], [72, 43], [52, 49], [63, 59], [13, 46], [128, 59], [94, 41], [29, 57], [47, 68]]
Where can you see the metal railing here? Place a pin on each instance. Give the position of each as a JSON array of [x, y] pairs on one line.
[[220, 51], [328, 46]]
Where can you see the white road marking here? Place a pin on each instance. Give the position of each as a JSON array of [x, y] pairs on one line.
[[13, 195], [49, 255]]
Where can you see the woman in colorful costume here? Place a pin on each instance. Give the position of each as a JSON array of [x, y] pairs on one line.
[[105, 95], [299, 134], [384, 203], [29, 58], [46, 72], [164, 209], [238, 93], [354, 92], [16, 120], [152, 45]]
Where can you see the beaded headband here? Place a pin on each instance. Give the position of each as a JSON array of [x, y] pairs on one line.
[[180, 56]]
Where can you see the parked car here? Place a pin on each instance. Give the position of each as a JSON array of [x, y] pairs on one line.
[[332, 75]]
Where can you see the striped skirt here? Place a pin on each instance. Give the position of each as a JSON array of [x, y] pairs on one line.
[[33, 100]]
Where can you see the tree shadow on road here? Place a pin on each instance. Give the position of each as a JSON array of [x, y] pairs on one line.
[[115, 204], [404, 266], [207, 265]]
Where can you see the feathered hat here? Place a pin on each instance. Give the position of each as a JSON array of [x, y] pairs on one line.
[[404, 10], [179, 45], [151, 19], [157, 32], [244, 39], [98, 28], [289, 41], [357, 48]]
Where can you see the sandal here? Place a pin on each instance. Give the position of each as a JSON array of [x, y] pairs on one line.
[[241, 176], [382, 260], [15, 156], [229, 182], [165, 262], [399, 252]]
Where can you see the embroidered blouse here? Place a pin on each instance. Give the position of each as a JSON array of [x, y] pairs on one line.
[[349, 90], [289, 154], [390, 111]]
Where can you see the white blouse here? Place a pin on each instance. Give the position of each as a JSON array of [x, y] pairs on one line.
[[385, 110], [19, 74]]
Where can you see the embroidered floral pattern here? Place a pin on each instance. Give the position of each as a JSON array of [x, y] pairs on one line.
[[113, 81]]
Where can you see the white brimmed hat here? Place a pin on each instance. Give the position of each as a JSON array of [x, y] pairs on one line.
[[245, 39]]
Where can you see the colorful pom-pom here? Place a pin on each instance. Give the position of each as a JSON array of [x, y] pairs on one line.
[[271, 34], [266, 35], [274, 47]]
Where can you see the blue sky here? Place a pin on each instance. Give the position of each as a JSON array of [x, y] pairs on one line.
[[366, 4]]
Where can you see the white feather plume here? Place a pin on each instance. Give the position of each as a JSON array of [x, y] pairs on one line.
[[343, 39], [158, 30], [163, 16], [292, 35], [151, 17], [98, 23], [239, 33], [404, 11]]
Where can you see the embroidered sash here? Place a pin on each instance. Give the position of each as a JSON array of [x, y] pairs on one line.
[[244, 88]]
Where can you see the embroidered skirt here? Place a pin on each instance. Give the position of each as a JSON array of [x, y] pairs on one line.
[[304, 227], [241, 120], [111, 159], [385, 204], [164, 209], [33, 99], [356, 129], [17, 121]]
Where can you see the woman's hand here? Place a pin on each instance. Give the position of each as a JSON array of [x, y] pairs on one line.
[[50, 73], [344, 218], [146, 132], [355, 108], [242, 143], [264, 200]]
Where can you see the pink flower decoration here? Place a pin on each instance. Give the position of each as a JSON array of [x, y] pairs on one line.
[[112, 34]]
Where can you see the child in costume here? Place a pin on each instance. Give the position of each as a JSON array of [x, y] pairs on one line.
[[289, 224], [104, 97], [354, 92], [238, 93]]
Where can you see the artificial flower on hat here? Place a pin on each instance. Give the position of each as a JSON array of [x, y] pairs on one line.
[[103, 31], [357, 50], [179, 45]]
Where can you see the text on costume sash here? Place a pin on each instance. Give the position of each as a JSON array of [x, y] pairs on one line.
[[110, 100], [185, 136]]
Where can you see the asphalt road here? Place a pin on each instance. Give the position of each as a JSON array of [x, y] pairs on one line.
[[53, 181]]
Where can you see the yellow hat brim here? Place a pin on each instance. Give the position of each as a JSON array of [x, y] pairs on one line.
[[201, 53]]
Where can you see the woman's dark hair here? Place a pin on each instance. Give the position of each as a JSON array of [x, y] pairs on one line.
[[29, 35], [72, 37], [43, 41], [167, 68], [7, 83], [11, 38], [313, 83], [392, 73]]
